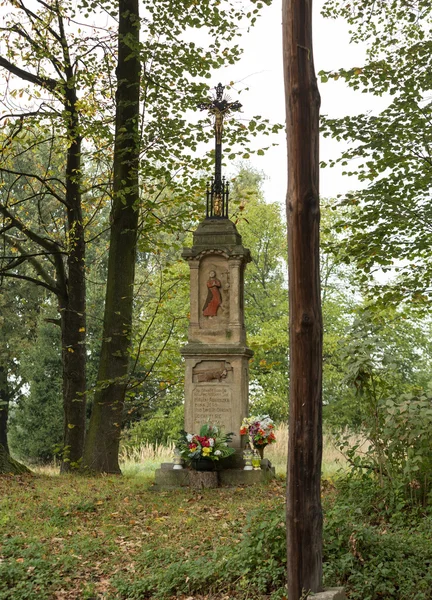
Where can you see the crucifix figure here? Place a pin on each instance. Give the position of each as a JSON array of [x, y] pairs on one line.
[[217, 193]]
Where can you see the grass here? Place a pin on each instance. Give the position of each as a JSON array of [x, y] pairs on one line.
[[117, 538], [333, 460], [72, 537]]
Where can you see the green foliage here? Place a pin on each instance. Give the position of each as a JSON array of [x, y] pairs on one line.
[[257, 565], [161, 428], [387, 222], [25, 574], [389, 406], [262, 553], [373, 553], [36, 421], [266, 297], [373, 558], [62, 92], [213, 542]]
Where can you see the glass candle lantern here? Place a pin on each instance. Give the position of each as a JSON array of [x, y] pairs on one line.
[[247, 455], [177, 460], [256, 461]]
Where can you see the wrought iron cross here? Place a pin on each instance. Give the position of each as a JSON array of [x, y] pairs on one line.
[[217, 191]]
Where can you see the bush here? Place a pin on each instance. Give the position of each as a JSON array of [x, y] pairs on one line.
[[161, 428], [374, 558], [377, 561], [36, 422]]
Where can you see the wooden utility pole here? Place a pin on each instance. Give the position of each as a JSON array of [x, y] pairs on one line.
[[304, 514]]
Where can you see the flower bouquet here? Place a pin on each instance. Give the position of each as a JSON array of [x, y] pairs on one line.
[[260, 431], [204, 449]]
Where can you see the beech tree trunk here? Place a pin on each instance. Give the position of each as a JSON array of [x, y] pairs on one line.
[[103, 436], [73, 307], [73, 312], [304, 513]]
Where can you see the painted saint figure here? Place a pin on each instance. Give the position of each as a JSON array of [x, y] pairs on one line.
[[214, 298]]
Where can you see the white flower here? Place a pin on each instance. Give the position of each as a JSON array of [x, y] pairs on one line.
[[211, 442], [189, 437], [218, 452]]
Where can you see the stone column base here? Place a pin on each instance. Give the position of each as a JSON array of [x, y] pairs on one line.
[[167, 478], [337, 593]]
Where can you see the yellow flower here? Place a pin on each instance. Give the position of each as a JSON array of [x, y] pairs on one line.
[[206, 451]]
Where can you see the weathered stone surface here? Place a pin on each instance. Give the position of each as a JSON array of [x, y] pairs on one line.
[[199, 480], [216, 356], [236, 477], [219, 234], [223, 401], [329, 594], [167, 478]]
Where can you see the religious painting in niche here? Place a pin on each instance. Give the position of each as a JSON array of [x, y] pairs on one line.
[[214, 296]]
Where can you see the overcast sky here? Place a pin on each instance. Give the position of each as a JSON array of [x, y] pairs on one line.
[[261, 69]]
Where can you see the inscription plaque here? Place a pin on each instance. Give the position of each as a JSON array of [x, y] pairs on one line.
[[212, 403]]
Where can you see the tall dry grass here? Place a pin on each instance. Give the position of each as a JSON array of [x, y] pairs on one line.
[[277, 453], [147, 457], [147, 452]]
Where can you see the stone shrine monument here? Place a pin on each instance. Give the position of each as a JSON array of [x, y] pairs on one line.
[[216, 355]]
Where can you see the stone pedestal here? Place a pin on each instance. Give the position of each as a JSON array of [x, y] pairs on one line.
[[216, 356], [216, 387], [329, 594], [167, 478]]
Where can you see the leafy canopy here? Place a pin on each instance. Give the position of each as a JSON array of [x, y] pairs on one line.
[[388, 223]]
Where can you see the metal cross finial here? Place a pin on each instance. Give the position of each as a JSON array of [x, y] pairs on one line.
[[217, 195]]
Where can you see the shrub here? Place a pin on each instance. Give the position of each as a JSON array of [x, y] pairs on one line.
[[159, 429]]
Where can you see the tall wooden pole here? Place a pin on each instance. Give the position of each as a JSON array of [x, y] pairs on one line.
[[304, 514]]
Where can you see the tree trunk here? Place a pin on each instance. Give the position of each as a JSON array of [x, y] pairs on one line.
[[103, 436], [73, 307], [7, 464], [69, 284], [304, 513]]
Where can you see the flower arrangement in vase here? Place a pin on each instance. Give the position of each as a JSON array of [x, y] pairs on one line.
[[203, 450], [260, 432]]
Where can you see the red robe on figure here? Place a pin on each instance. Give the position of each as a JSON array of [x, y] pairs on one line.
[[214, 298]]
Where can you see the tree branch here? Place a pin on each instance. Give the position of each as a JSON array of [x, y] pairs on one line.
[[40, 179], [44, 82], [55, 291], [31, 259]]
